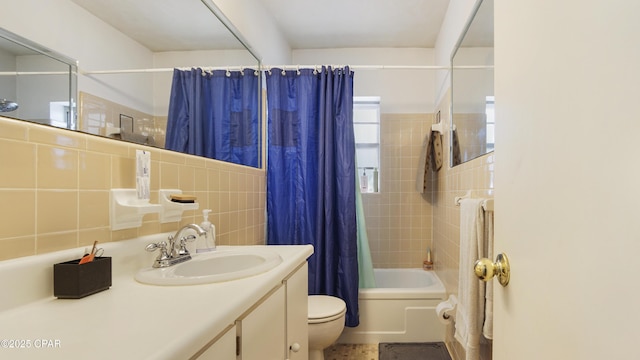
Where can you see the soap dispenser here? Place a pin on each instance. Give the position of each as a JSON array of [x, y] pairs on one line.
[[208, 242]]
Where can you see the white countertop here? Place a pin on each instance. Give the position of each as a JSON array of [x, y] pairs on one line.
[[130, 320]]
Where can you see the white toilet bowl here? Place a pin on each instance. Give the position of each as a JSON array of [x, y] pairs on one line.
[[326, 322]]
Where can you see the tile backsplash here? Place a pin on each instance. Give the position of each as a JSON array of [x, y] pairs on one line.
[[54, 190], [100, 116]]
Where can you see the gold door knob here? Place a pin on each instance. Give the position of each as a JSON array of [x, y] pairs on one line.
[[485, 269]]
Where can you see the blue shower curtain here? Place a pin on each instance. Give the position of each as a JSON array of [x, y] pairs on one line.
[[215, 114], [311, 176]]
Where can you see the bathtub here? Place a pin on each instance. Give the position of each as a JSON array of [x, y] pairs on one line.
[[402, 308]]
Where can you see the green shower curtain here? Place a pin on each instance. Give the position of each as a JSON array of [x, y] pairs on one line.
[[365, 265]]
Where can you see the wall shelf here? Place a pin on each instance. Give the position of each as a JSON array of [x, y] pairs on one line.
[[126, 210], [172, 211]]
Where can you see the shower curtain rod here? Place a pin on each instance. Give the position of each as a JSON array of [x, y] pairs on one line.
[[238, 68], [15, 73], [287, 67], [377, 67]]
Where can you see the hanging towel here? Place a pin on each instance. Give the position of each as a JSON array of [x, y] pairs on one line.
[[436, 150], [423, 165], [455, 148], [430, 159], [487, 328], [470, 311]]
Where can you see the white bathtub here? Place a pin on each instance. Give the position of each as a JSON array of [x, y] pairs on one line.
[[402, 308]]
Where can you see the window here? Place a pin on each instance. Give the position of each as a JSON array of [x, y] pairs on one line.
[[366, 124], [491, 122], [60, 114]]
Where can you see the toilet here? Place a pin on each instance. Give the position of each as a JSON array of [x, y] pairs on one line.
[[326, 322]]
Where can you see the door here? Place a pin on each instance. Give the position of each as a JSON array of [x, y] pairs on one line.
[[297, 290], [223, 349], [567, 179], [263, 329]]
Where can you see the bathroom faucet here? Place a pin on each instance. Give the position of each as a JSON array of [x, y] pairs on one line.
[[169, 255]]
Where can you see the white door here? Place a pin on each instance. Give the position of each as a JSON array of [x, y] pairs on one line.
[[567, 179], [223, 349], [263, 329], [297, 290]]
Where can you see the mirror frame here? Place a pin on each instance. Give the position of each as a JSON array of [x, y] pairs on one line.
[[476, 8]]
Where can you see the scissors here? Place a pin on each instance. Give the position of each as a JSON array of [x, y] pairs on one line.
[[98, 252], [90, 256]]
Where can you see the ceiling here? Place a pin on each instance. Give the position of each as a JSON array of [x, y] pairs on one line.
[[175, 25], [306, 24], [310, 24]]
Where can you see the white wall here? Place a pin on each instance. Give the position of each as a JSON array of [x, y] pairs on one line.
[[258, 28], [567, 178], [35, 93], [457, 15], [68, 29], [7, 83], [471, 86], [162, 81], [401, 91], [65, 27]]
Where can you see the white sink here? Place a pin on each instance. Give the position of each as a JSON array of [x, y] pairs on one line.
[[216, 266]]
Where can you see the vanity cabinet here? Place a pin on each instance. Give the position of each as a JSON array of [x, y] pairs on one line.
[[297, 313], [274, 328], [257, 317], [223, 349], [262, 331]]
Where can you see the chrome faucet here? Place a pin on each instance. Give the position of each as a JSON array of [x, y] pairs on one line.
[[169, 255]]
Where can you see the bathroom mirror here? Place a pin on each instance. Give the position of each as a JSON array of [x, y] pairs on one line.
[[472, 101], [36, 84], [126, 54]]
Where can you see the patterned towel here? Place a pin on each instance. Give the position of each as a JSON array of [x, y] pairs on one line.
[[430, 159], [455, 149]]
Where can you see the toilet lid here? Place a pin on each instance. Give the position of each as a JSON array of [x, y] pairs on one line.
[[323, 306]]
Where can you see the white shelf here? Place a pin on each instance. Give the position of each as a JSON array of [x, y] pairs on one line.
[[126, 210], [172, 211], [439, 127]]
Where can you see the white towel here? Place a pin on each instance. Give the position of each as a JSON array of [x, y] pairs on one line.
[[487, 328], [470, 312]]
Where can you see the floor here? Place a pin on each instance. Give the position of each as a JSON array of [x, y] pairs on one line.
[[351, 352], [357, 352]]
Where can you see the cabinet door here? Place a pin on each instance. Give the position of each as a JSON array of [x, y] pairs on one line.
[[263, 329], [297, 314], [223, 349]]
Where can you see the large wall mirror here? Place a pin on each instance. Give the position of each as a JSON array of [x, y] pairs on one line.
[[130, 54], [472, 100], [36, 84]]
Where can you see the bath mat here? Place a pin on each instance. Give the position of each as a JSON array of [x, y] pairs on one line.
[[411, 351]]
